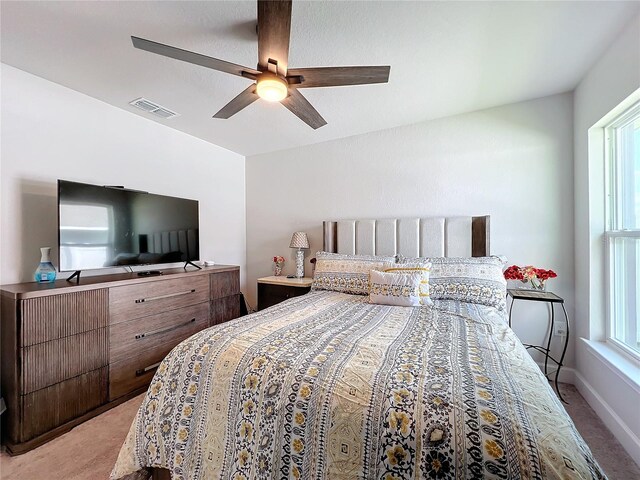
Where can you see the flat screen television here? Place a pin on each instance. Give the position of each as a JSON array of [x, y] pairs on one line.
[[108, 226]]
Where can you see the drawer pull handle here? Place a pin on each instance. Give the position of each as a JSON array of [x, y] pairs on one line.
[[168, 295], [164, 330], [144, 370]]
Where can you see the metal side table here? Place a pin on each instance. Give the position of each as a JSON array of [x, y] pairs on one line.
[[551, 298]]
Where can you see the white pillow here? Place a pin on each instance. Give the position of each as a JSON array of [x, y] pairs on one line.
[[423, 268], [400, 289]]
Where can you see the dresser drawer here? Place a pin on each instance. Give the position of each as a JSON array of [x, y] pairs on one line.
[[48, 363], [58, 316], [140, 300], [153, 332], [51, 407], [136, 371], [225, 284], [129, 375], [225, 309]]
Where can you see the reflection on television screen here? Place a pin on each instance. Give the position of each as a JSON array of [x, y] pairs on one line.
[[103, 227]]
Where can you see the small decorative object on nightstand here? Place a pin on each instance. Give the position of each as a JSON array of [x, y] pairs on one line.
[[531, 278], [273, 290], [300, 241], [278, 262], [552, 299]]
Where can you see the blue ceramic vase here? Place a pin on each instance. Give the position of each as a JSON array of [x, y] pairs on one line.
[[46, 272]]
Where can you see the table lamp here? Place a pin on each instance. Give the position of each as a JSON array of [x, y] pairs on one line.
[[300, 241]]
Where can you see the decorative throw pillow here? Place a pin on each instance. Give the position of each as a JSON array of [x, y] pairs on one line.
[[391, 288], [346, 273], [423, 269], [467, 279]]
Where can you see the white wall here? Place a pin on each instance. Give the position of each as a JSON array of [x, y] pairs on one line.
[[614, 77], [50, 132], [514, 163]]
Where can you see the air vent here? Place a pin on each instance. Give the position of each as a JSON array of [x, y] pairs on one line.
[[154, 108]]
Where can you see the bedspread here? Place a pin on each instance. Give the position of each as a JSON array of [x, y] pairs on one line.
[[328, 386]]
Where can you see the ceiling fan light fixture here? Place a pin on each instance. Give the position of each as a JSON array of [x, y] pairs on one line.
[[271, 88], [273, 75]]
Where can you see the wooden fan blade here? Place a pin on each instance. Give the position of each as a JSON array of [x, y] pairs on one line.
[[301, 108], [274, 29], [337, 76], [246, 98], [192, 57]]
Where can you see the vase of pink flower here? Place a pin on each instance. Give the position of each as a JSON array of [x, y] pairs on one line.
[[278, 263], [531, 277]]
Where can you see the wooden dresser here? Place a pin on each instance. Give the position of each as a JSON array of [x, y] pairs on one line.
[[71, 351]]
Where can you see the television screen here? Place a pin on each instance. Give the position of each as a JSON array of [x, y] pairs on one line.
[[103, 227]]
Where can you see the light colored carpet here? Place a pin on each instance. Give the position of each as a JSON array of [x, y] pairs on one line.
[[89, 451], [613, 459]]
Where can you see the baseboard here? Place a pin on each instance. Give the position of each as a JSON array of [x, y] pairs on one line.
[[614, 423], [567, 375]]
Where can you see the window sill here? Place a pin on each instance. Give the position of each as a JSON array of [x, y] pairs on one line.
[[626, 368]]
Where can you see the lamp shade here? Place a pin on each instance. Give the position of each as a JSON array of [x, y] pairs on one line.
[[299, 240]]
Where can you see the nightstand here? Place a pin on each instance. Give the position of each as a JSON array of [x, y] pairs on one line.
[[552, 299], [273, 290]]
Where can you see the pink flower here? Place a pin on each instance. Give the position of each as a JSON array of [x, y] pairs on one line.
[[514, 272]]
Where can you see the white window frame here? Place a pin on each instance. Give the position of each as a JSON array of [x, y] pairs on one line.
[[613, 223]]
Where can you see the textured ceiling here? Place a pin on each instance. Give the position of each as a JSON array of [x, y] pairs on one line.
[[446, 58]]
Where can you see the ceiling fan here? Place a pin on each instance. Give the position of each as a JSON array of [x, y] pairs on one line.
[[274, 81]]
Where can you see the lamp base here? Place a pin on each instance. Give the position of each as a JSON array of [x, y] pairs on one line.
[[299, 263]]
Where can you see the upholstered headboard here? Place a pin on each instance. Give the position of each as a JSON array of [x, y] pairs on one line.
[[411, 237]]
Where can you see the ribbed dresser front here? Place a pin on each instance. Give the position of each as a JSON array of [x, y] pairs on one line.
[[64, 346]]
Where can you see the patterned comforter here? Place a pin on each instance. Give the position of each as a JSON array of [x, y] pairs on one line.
[[328, 386]]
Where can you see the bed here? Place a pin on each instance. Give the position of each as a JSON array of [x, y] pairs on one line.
[[330, 386]]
